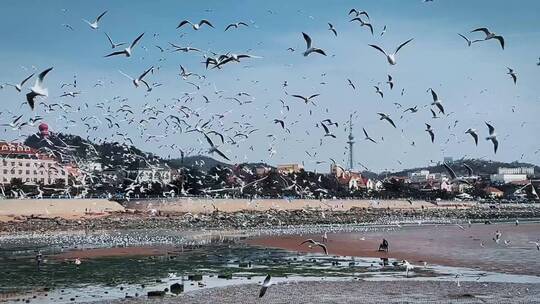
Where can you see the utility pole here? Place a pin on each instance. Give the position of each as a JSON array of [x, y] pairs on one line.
[[351, 144]]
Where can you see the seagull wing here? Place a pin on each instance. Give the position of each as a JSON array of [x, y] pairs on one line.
[[208, 140], [495, 144], [482, 29], [402, 45], [491, 129], [390, 121], [26, 79], [99, 17], [475, 136], [307, 39], [115, 53], [501, 40], [145, 72], [466, 39], [229, 26], [311, 241], [204, 21], [323, 246], [450, 171], [221, 154], [126, 75], [110, 40], [182, 23], [378, 48], [469, 169], [136, 40]]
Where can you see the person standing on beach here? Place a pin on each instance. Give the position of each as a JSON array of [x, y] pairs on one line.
[[39, 260]]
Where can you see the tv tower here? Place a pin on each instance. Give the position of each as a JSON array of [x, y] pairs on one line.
[[351, 144]]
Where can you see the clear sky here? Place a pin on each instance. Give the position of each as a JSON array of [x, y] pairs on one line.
[[471, 81]]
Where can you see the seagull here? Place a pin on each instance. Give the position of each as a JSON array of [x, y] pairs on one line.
[[368, 137], [332, 28], [37, 89], [512, 74], [378, 91], [470, 171], [436, 101], [537, 243], [113, 45], [387, 118], [196, 26], [538, 63], [19, 86], [213, 148], [281, 122], [236, 25], [267, 283], [390, 82], [473, 133], [383, 30], [362, 23], [138, 80], [453, 177], [434, 115], [493, 137], [183, 48], [490, 35], [327, 131], [71, 94], [309, 48], [408, 267], [358, 13], [391, 57], [311, 241], [430, 131], [306, 99], [127, 51], [351, 84], [469, 42], [412, 109], [94, 25]]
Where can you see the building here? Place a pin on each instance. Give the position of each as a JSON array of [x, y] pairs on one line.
[[507, 178], [31, 167], [529, 171], [493, 192], [419, 176], [289, 168]]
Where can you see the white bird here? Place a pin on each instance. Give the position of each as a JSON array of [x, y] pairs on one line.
[[408, 267], [309, 48], [19, 86], [367, 137], [305, 98], [392, 56], [127, 51], [137, 81], [94, 25], [474, 135], [378, 91], [390, 82], [236, 25], [332, 28], [113, 45], [312, 242], [537, 243], [38, 89], [430, 131], [493, 137], [196, 26], [387, 118], [363, 23], [512, 74], [264, 286], [436, 101], [469, 42], [490, 35]]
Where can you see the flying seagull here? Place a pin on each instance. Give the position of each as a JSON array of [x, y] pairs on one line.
[[94, 25], [19, 86], [236, 25], [368, 137], [315, 243], [490, 35], [113, 45], [351, 84], [436, 101], [378, 91], [213, 148], [332, 28], [453, 177], [387, 118], [309, 48], [391, 57], [390, 82], [474, 135], [493, 137], [512, 74], [127, 51], [37, 89], [430, 131], [138, 80], [196, 26], [266, 283], [306, 99], [358, 13], [362, 23]]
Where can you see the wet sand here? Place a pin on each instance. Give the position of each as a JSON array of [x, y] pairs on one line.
[[95, 253], [359, 292], [446, 245]]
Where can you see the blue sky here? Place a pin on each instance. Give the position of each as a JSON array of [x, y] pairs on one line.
[[471, 81]]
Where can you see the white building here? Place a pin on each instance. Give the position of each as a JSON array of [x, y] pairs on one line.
[[24, 163], [507, 178], [529, 171]]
